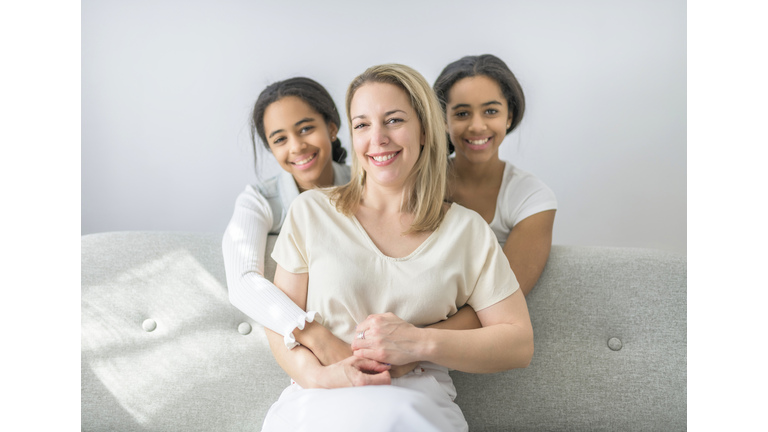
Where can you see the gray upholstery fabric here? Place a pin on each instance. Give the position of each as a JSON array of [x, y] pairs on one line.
[[197, 371], [585, 297]]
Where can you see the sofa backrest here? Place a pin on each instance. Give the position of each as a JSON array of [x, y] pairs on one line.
[[163, 349]]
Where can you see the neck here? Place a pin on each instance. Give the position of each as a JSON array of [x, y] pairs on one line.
[[383, 198], [477, 172], [324, 180]]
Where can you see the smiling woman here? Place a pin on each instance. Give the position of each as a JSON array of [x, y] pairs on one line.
[[483, 102], [380, 259], [297, 120], [301, 147]]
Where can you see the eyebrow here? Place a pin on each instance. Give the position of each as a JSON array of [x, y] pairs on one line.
[[304, 120], [362, 116], [457, 106]]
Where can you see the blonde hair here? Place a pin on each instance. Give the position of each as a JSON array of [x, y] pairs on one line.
[[425, 199]]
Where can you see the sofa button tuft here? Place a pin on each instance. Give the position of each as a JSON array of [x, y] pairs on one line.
[[244, 328], [149, 325], [614, 344]]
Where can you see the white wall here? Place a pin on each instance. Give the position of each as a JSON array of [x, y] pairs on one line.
[[167, 87]]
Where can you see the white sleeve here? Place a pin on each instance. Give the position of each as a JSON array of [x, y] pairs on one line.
[[525, 196], [244, 247]]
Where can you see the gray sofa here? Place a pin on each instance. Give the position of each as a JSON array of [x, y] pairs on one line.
[[164, 350]]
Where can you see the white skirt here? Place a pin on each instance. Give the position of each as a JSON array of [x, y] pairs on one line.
[[421, 400]]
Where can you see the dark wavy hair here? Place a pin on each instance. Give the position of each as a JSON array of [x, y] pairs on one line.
[[486, 65], [308, 90]]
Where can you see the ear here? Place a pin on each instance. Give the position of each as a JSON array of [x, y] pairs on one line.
[[423, 138], [509, 119], [332, 129]]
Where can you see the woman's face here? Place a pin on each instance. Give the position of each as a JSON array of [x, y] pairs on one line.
[[301, 141], [386, 133], [477, 117]]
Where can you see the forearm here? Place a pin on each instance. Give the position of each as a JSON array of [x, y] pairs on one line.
[[265, 303], [464, 319], [299, 363], [243, 247], [327, 348], [486, 350], [505, 341]]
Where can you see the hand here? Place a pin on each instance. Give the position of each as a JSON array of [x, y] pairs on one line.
[[353, 372], [388, 339], [398, 371]]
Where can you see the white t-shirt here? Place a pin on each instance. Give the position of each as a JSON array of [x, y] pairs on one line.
[[349, 278], [259, 211], [521, 195]]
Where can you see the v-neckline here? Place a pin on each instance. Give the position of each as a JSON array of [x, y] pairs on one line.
[[410, 255]]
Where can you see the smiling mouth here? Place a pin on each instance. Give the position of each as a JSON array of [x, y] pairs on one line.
[[384, 158], [305, 161], [478, 142]]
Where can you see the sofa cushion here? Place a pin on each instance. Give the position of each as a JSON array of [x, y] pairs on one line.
[[164, 350]]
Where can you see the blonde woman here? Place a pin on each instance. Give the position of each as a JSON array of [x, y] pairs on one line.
[[296, 120], [380, 258]]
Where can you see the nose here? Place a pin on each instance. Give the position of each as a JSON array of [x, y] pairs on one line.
[[478, 124], [379, 135], [297, 145]]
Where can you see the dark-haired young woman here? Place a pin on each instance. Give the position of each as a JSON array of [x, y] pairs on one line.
[[297, 121], [483, 102]]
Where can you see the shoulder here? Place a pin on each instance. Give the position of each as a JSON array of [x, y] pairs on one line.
[[253, 197], [466, 221], [516, 176], [517, 184], [267, 188], [312, 200]]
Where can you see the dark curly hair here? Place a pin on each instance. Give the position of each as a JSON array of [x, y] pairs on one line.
[[308, 90], [486, 65]]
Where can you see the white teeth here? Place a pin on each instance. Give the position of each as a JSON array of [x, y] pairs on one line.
[[478, 142], [383, 158], [305, 161]]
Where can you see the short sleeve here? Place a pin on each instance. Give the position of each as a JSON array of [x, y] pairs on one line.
[[524, 196], [290, 250], [496, 281]]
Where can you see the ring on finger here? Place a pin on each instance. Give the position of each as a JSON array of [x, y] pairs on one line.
[[361, 335]]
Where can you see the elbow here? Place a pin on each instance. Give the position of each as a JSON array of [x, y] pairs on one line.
[[528, 350], [233, 290], [527, 355], [524, 350], [234, 299]]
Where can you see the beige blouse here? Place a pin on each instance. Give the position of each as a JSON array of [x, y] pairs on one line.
[[349, 278]]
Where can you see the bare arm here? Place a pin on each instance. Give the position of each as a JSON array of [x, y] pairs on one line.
[[303, 366], [527, 248], [464, 319], [326, 347], [505, 341], [329, 349]]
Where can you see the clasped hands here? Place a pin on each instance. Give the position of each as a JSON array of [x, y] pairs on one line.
[[389, 349]]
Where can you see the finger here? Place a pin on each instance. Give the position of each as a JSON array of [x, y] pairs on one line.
[[372, 366], [378, 379], [368, 322], [361, 343], [377, 355]]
